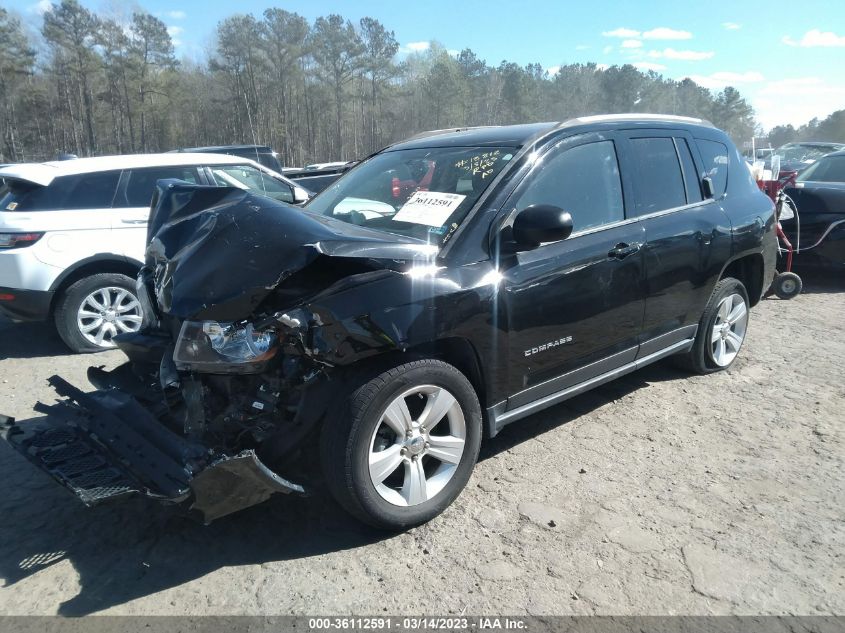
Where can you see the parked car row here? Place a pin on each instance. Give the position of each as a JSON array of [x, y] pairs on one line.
[[317, 177], [444, 288], [73, 234], [800, 155], [816, 227]]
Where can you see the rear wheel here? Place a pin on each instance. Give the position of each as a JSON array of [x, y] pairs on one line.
[[93, 310], [721, 331], [405, 445]]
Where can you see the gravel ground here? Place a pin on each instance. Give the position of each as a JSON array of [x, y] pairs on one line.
[[660, 493]]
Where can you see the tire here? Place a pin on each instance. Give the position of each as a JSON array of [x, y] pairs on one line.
[[79, 307], [787, 285], [367, 424], [704, 357]]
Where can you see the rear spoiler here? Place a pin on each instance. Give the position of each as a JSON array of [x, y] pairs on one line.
[[34, 173]]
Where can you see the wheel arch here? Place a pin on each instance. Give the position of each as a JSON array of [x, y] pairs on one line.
[[458, 352], [749, 268], [102, 263]]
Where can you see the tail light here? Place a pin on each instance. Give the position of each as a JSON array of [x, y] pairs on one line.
[[18, 240]]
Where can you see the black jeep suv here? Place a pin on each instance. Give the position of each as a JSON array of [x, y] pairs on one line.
[[446, 287]]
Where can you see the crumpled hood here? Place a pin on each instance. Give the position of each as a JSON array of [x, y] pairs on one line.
[[217, 252]]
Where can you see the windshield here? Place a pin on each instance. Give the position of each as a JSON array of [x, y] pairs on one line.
[[803, 153], [828, 169], [422, 193]]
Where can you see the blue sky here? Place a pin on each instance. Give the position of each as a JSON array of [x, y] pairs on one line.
[[788, 60]]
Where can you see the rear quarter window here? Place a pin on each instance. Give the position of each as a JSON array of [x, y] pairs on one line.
[[20, 195], [715, 157], [83, 191]]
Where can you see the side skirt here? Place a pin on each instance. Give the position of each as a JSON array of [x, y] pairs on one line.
[[498, 418]]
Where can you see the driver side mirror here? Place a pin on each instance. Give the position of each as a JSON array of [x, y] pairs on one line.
[[541, 223]]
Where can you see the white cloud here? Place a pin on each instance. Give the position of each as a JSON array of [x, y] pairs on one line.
[[175, 31], [581, 47], [663, 33], [649, 66], [607, 49], [453, 52], [417, 47], [731, 26], [553, 70], [602, 66], [177, 15], [671, 53], [815, 38], [632, 44], [727, 78], [621, 32], [796, 101], [41, 7], [787, 86]]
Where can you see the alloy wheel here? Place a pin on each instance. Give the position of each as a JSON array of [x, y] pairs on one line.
[[729, 328], [107, 312], [417, 445]]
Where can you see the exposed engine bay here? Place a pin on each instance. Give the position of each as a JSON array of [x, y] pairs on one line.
[[228, 378]]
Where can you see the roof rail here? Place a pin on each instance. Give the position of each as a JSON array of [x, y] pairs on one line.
[[634, 116], [448, 130]]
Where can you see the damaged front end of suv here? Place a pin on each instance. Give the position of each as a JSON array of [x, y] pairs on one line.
[[251, 307]]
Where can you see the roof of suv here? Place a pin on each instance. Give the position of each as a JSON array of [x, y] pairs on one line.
[[44, 173], [223, 148], [811, 144], [518, 135]]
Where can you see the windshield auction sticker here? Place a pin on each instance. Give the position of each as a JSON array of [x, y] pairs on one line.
[[431, 208]]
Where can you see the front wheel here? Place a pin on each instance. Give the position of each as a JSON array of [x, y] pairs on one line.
[[405, 445], [721, 331]]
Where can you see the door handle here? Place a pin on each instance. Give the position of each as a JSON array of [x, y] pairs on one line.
[[623, 250], [130, 221]]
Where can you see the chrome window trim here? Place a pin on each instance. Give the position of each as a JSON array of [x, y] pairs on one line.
[[655, 214]]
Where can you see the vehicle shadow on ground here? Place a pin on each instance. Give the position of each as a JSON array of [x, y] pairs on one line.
[[128, 550], [30, 340], [135, 548], [583, 404]]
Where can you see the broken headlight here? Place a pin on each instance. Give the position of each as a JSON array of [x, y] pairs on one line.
[[223, 347]]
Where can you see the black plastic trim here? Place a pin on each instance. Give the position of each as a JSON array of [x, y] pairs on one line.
[[28, 305]]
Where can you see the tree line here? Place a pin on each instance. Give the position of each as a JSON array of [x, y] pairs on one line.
[[327, 90], [831, 129]]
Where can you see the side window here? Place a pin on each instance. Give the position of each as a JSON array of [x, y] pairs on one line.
[[830, 169], [141, 183], [582, 180], [255, 180], [91, 191], [715, 157], [659, 184], [691, 179]]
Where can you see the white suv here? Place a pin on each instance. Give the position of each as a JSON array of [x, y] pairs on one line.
[[73, 233]]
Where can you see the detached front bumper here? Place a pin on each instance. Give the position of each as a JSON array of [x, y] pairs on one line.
[[105, 446]]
